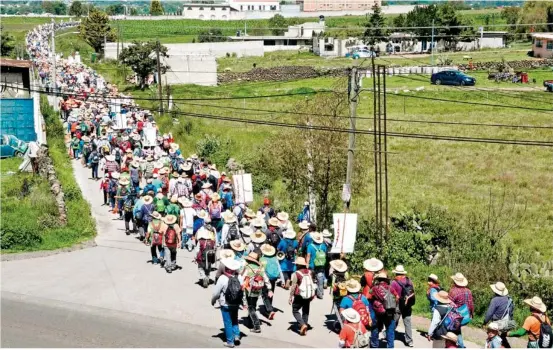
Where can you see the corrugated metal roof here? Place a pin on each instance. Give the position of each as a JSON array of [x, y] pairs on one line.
[[5, 62]]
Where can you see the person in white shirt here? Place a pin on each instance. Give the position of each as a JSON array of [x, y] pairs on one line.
[[34, 148], [187, 223]]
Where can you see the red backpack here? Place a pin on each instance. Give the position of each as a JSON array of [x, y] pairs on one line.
[[361, 308], [157, 239], [256, 282], [171, 237]]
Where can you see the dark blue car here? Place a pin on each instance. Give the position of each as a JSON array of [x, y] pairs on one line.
[[452, 77]]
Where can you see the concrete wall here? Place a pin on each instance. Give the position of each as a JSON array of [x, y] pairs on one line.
[[191, 69]]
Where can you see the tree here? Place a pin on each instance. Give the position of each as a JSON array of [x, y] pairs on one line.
[[94, 27], [76, 8], [55, 7], [114, 10], [447, 23], [399, 22], [420, 18], [134, 11], [141, 58], [155, 8], [212, 35], [277, 24], [7, 44], [375, 31], [536, 12]]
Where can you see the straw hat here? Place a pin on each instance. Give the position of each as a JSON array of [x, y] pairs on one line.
[[194, 156], [226, 254], [399, 270], [85, 138], [149, 180], [274, 222], [160, 195], [304, 225], [283, 216], [460, 280], [185, 202], [185, 167], [170, 219], [115, 175], [493, 326], [373, 265], [229, 218], [231, 264], [124, 181], [317, 237], [253, 257], [499, 289], [257, 222], [258, 237], [134, 164], [215, 197], [174, 198], [300, 261], [249, 213], [110, 158], [174, 146], [203, 234], [162, 171], [155, 175], [339, 265], [383, 275], [536, 303], [202, 214], [147, 199], [433, 277], [156, 215], [268, 250], [326, 233], [451, 337], [443, 297], [353, 286], [289, 234], [237, 245], [149, 158], [246, 230], [351, 315], [206, 185], [158, 165]]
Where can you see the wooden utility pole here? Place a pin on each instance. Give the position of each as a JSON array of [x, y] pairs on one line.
[[159, 87], [353, 96]]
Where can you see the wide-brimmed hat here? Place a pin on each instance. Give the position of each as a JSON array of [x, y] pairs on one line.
[[170, 219], [149, 180], [186, 167], [246, 230], [304, 225], [351, 315], [268, 250], [249, 213], [499, 289], [442, 297], [174, 146], [300, 261], [162, 171], [493, 326], [257, 222], [155, 175], [194, 156], [147, 199], [383, 275], [202, 214], [289, 234], [433, 277], [460, 280], [203, 233], [215, 197], [226, 254], [206, 185], [353, 286], [160, 195], [258, 237], [174, 198], [373, 265], [231, 264], [399, 270], [339, 265], [134, 164], [253, 257], [185, 202], [451, 337], [149, 158], [326, 233], [237, 245], [536, 303], [124, 181], [317, 237], [283, 216], [229, 218], [110, 158], [85, 139], [115, 175], [156, 215], [274, 222], [158, 165]]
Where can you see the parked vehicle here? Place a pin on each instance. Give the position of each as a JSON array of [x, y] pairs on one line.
[[11, 146], [452, 77], [548, 84], [360, 51]]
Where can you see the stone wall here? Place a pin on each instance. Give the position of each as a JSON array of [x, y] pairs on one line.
[[280, 74], [516, 65], [46, 170]]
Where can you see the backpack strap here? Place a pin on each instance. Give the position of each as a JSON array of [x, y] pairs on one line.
[[507, 308]]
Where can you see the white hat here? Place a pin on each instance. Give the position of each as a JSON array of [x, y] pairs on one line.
[[317, 237], [353, 286], [433, 277], [373, 265], [460, 280], [351, 315], [203, 233], [339, 265], [283, 216], [327, 233], [258, 237], [231, 264], [536, 303], [304, 225], [115, 175], [399, 270], [493, 326], [226, 254], [246, 230], [237, 245], [499, 289], [289, 234]]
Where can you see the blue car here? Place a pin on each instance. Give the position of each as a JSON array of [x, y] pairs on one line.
[[452, 77], [11, 146]]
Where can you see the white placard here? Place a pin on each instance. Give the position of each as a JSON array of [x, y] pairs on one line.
[[243, 189], [150, 137], [115, 105], [345, 232], [120, 121]]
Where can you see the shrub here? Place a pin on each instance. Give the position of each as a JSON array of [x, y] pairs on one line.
[[18, 233], [214, 148]]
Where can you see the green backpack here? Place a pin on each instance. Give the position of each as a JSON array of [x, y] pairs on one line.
[[160, 206], [172, 209], [320, 257]]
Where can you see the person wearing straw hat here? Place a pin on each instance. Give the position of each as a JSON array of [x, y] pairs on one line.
[[228, 293], [187, 214], [273, 232], [128, 199], [225, 191], [266, 210], [123, 191], [215, 210], [135, 174], [137, 212], [316, 258], [145, 215], [302, 292], [304, 237], [112, 190], [94, 161], [256, 240], [171, 240], [271, 265], [402, 286], [149, 187], [173, 208], [461, 295], [500, 310], [433, 288], [493, 341], [354, 299], [161, 203], [534, 324], [284, 222], [154, 238], [354, 333], [385, 308], [338, 277], [450, 340], [111, 165], [288, 246], [255, 279], [205, 255], [239, 249], [230, 230], [104, 187], [437, 329], [156, 181], [222, 255]]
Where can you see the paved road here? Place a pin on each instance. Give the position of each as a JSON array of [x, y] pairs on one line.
[[115, 276]]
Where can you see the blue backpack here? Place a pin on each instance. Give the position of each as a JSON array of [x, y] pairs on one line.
[[271, 267]]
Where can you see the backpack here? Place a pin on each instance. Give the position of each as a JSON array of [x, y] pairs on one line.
[[207, 252], [234, 293], [170, 236], [290, 251], [463, 310], [128, 204], [165, 184], [407, 298], [215, 211], [271, 267], [95, 159], [361, 308], [112, 187], [157, 239], [273, 238], [320, 257], [172, 209], [306, 288], [117, 155], [105, 148], [451, 322], [134, 175], [367, 292], [256, 282], [545, 341], [232, 233], [160, 206], [360, 340], [389, 302]]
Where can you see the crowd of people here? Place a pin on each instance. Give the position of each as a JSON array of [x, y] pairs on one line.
[[174, 202]]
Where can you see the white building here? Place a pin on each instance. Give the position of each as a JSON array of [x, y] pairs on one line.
[[208, 11]]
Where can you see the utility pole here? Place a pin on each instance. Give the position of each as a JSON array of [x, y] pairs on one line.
[[159, 87], [118, 39], [432, 43], [353, 94], [376, 150], [105, 44]]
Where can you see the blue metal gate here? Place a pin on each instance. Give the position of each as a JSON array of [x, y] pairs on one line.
[[17, 118]]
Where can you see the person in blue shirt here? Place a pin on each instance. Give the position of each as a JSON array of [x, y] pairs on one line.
[[288, 248], [354, 288], [157, 182], [433, 289], [316, 257], [149, 187], [304, 237]]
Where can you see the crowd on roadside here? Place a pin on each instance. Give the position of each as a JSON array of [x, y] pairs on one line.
[[174, 202]]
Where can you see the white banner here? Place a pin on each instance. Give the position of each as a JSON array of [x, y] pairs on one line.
[[120, 121], [243, 189], [115, 105], [150, 137], [345, 233]]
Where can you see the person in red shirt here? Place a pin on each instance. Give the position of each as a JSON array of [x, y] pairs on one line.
[[372, 267], [353, 333], [104, 184], [385, 315], [460, 295]]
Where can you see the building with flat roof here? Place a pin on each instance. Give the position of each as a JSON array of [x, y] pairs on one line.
[[542, 45], [337, 5]]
